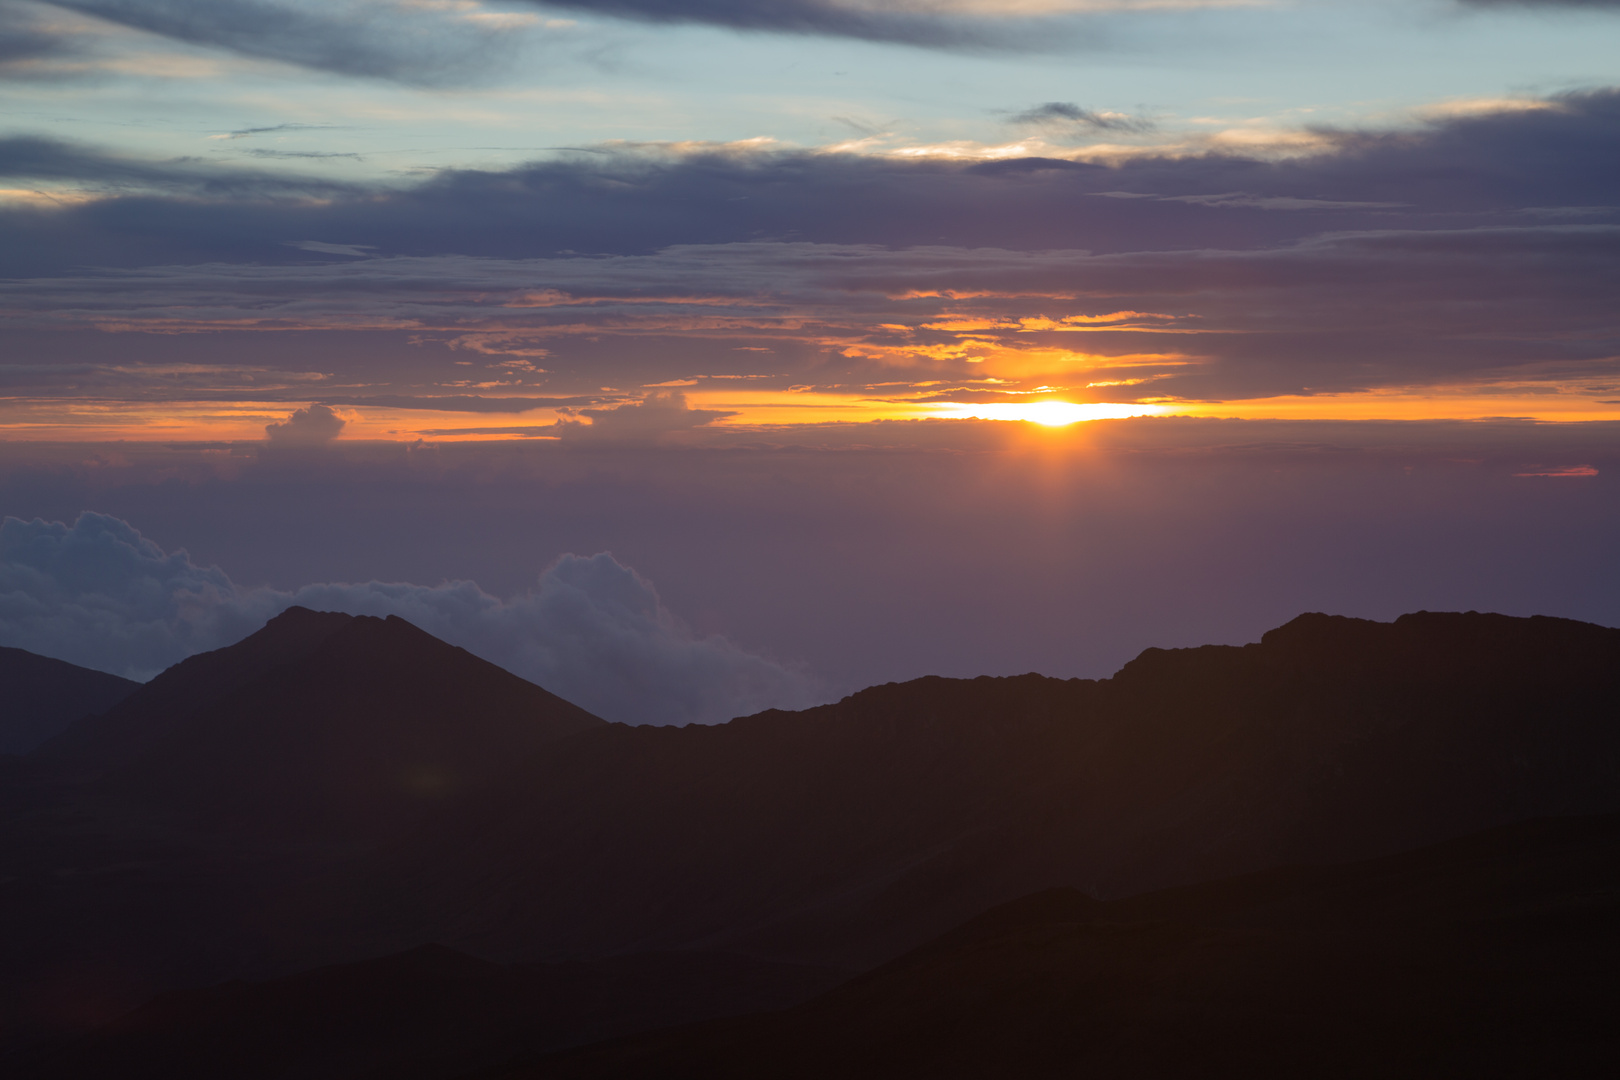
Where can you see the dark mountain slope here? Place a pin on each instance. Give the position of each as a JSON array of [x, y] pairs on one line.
[[1491, 956], [191, 686], [850, 832], [216, 823], [40, 697], [320, 725]]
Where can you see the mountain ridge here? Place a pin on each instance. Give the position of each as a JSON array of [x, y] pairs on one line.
[[315, 723], [1187, 765], [44, 696], [278, 829]]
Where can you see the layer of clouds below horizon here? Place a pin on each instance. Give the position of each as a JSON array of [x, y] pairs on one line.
[[99, 594], [888, 551]]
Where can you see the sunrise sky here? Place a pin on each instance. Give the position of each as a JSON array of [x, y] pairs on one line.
[[1195, 279], [439, 217]]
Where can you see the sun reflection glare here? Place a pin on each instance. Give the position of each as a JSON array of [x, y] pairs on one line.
[[1050, 413]]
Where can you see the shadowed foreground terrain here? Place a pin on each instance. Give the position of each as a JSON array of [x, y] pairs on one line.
[[427, 1013], [335, 790], [1494, 955], [1491, 955]]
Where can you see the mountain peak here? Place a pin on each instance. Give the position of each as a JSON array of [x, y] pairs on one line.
[[320, 723]]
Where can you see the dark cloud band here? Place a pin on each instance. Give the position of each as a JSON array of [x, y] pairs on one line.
[[423, 47], [822, 17]]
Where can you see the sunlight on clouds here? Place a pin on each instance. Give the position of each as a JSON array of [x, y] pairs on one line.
[[1049, 413], [1484, 106], [42, 199], [1435, 403]]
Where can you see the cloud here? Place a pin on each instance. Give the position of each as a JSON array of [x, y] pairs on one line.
[[97, 593], [32, 157], [314, 425], [26, 39], [1455, 306], [412, 43], [1065, 112], [321, 247], [937, 25], [1484, 242], [647, 420], [1599, 4]]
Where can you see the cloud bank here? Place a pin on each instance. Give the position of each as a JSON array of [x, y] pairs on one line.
[[1486, 242], [99, 594]]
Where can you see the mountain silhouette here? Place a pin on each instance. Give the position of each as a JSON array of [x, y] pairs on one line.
[[848, 833], [43, 696], [215, 821], [335, 789], [321, 725], [1492, 955]]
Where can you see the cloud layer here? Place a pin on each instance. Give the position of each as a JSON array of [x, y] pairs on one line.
[[938, 24], [424, 44], [99, 594], [1486, 243]]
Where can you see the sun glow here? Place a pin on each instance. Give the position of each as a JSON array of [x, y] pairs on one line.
[[1050, 413]]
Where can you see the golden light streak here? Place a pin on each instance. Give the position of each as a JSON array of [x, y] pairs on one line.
[[1467, 403], [98, 420], [1049, 413]]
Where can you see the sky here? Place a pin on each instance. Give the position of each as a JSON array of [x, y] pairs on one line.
[[698, 356]]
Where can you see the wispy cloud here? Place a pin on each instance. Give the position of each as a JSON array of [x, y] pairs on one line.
[[427, 44], [1595, 4], [1028, 26], [1065, 113]]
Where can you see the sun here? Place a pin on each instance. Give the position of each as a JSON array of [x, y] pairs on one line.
[[1050, 413]]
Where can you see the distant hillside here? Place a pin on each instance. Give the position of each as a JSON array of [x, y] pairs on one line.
[[40, 697], [850, 832]]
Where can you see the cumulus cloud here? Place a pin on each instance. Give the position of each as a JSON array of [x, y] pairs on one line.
[[99, 594], [313, 425], [592, 630], [646, 420]]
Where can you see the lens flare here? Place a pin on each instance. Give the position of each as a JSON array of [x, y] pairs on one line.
[[1050, 413]]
